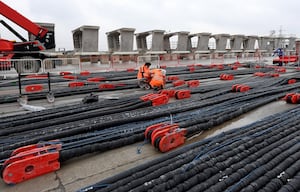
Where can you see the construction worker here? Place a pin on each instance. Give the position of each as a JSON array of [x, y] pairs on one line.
[[144, 76], [279, 52], [158, 79]]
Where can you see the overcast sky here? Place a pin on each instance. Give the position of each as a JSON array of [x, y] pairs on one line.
[[255, 17]]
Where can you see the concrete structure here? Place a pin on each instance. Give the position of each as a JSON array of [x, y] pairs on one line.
[[249, 43], [120, 41], [266, 44], [202, 44], [297, 46], [157, 39], [85, 39], [291, 44], [236, 43], [221, 42], [182, 42], [50, 27]]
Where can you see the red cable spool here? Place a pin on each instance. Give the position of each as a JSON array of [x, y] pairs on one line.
[[76, 84], [178, 83], [288, 97], [182, 94], [34, 88], [295, 98], [259, 74]]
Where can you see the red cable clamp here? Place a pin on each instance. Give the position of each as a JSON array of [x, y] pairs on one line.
[[156, 99], [182, 94], [193, 83], [31, 161], [169, 92], [165, 136], [240, 88]]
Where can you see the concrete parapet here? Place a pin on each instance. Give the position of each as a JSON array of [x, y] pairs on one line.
[[120, 41], [221, 42], [85, 39], [249, 43], [236, 42], [157, 46]]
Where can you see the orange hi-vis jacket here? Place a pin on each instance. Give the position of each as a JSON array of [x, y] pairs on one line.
[[158, 78], [144, 72]]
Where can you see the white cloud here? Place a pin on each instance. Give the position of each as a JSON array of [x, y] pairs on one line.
[[256, 17]]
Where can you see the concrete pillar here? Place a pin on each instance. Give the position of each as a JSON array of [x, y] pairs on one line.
[[236, 43], [292, 43], [202, 45], [120, 40], [182, 42], [50, 27], [157, 46], [249, 43], [221, 42], [265, 44], [297, 45], [85, 39]]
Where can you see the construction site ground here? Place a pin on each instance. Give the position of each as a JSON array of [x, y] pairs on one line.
[[89, 169]]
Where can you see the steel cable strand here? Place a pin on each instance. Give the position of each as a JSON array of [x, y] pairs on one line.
[[153, 167], [293, 184], [264, 166], [158, 186], [276, 177], [164, 159], [72, 129], [139, 189], [58, 111], [235, 171], [64, 117]]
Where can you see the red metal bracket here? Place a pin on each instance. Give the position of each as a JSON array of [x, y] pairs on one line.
[[182, 94], [168, 92], [193, 83], [240, 88], [31, 161], [172, 140], [178, 83], [76, 84], [226, 77], [34, 88], [156, 99]]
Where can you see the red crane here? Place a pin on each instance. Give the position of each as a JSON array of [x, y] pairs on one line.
[[44, 39]]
